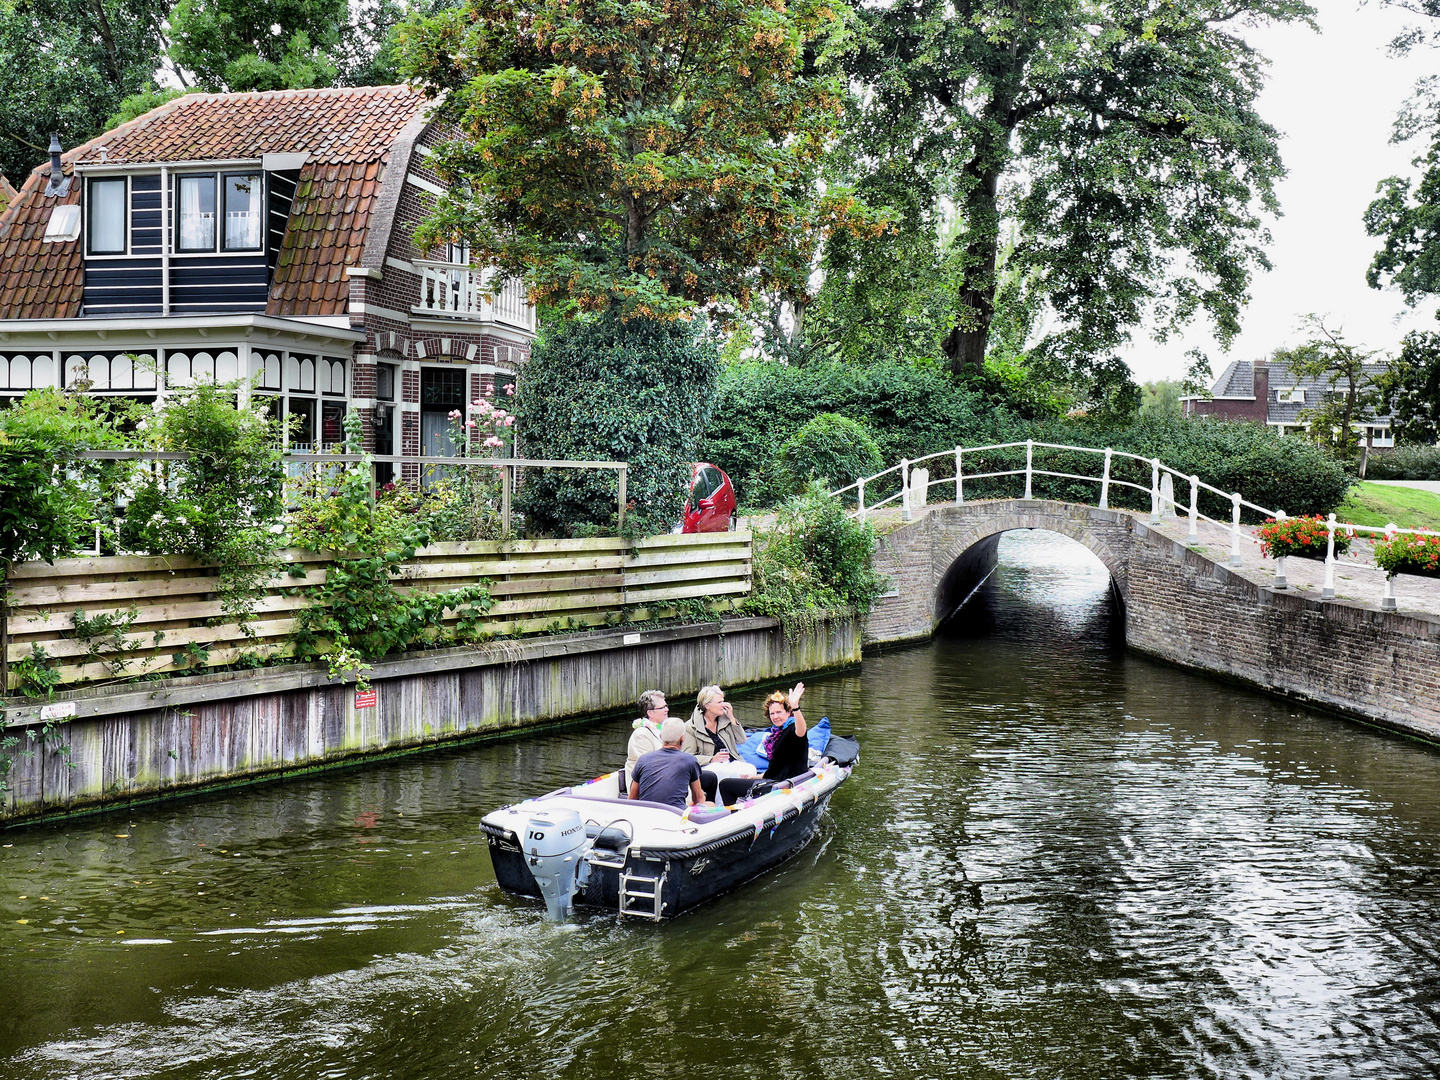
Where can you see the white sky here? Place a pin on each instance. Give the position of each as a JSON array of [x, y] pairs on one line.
[[1333, 96]]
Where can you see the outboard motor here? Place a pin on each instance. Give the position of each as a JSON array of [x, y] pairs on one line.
[[554, 846]]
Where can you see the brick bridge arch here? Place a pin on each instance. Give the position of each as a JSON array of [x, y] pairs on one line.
[[936, 561]]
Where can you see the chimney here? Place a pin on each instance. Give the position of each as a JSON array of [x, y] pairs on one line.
[[59, 185], [1262, 391]]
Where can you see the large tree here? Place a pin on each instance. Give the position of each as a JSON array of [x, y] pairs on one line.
[[1115, 142], [1406, 216], [68, 65], [258, 44], [659, 155]]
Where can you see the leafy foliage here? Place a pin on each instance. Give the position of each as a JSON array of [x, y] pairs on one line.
[[815, 563], [1412, 393], [657, 156], [49, 497], [1306, 537], [68, 66], [358, 614], [1406, 463], [603, 389], [257, 44], [219, 505], [1120, 140], [830, 448], [1355, 392]]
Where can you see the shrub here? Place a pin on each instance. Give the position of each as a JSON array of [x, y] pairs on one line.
[[831, 448], [220, 505], [1404, 463], [357, 613], [605, 389], [909, 409], [1307, 537], [1409, 553], [815, 562], [51, 498]]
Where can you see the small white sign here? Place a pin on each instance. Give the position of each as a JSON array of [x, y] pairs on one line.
[[631, 639], [57, 711]]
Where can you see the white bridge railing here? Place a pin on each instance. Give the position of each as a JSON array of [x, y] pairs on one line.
[[914, 493]]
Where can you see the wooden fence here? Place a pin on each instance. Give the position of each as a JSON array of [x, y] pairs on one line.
[[178, 625]]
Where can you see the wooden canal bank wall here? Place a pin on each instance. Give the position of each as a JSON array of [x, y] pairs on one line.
[[140, 742]]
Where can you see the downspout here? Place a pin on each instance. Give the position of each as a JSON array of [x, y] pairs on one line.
[[164, 241]]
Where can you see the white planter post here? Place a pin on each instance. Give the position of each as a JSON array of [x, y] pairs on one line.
[[1328, 592], [861, 488], [1029, 465], [1105, 481], [959, 480], [904, 489], [1280, 582], [1193, 537], [1387, 602], [1154, 491], [1235, 529]]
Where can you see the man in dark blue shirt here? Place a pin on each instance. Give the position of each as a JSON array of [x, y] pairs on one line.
[[669, 774]]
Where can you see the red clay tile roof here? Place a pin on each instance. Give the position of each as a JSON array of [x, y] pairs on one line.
[[6, 193], [38, 280], [333, 124], [328, 221], [348, 132]]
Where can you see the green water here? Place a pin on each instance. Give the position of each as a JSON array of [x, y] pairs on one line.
[[1054, 860]]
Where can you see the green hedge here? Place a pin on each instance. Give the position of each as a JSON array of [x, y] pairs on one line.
[[913, 411], [607, 390], [1404, 463], [829, 447]]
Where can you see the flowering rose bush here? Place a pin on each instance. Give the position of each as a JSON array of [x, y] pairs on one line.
[[1303, 536], [464, 501], [1409, 553]]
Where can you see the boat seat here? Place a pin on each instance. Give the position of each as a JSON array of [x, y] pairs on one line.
[[613, 800]]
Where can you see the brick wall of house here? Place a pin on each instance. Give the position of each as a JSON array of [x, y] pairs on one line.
[[1240, 408]]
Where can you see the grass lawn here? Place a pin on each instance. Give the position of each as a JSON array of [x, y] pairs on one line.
[[1377, 504]]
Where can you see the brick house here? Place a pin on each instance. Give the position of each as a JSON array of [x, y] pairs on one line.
[[1268, 393], [265, 237]]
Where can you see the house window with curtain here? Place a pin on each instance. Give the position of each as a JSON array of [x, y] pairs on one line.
[[197, 213], [107, 217], [244, 211]]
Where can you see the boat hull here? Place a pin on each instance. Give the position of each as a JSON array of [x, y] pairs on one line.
[[680, 878]]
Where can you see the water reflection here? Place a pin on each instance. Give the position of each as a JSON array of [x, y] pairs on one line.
[[1057, 859]]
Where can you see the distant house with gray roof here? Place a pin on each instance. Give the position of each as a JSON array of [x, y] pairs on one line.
[[1271, 394]]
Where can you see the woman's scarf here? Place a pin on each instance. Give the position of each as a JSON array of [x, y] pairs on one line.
[[774, 736]]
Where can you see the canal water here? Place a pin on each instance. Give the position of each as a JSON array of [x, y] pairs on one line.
[[1054, 860]]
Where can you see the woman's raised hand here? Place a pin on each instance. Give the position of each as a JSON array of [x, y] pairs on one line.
[[794, 696]]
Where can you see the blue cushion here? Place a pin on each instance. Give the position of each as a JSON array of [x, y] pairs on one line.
[[753, 748]]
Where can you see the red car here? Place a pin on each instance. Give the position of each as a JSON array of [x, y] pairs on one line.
[[711, 506]]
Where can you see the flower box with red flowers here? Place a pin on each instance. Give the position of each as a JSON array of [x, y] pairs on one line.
[[1409, 553], [1307, 537]]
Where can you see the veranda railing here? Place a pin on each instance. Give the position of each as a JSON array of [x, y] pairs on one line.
[[1160, 490]]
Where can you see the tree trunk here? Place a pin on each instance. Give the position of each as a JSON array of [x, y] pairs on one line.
[[966, 343]]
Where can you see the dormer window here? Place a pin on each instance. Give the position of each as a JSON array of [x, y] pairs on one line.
[[106, 216], [238, 198], [197, 213], [243, 213]]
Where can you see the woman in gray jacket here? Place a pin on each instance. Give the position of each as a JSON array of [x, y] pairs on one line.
[[712, 732]]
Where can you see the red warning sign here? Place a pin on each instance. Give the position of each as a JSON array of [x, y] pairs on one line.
[[366, 699]]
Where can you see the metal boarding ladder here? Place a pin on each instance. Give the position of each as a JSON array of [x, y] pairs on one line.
[[640, 894]]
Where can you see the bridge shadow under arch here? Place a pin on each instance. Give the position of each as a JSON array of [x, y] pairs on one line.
[[965, 554]]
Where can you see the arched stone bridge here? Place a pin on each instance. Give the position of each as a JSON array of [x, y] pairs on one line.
[[1180, 605]]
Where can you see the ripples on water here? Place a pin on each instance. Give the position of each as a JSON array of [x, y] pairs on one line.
[[1055, 860]]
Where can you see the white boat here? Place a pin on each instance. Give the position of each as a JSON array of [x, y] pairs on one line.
[[587, 846]]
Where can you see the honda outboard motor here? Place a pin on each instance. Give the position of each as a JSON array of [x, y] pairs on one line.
[[554, 845]]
